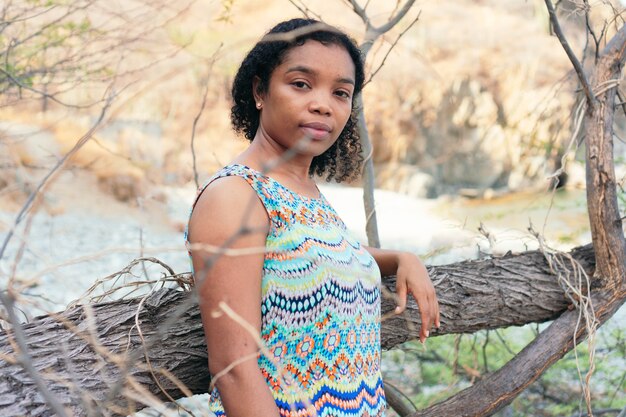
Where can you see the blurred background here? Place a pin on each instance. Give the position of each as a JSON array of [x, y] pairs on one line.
[[471, 112]]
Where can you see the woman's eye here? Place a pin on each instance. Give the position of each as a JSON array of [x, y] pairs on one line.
[[300, 84], [343, 94]]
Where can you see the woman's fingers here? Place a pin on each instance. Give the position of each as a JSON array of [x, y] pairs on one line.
[[429, 311], [401, 290], [426, 316], [412, 277], [424, 332]]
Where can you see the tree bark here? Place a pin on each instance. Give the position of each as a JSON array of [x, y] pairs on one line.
[[91, 356], [606, 224], [481, 295]]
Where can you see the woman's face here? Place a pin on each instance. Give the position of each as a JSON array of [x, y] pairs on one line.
[[309, 98]]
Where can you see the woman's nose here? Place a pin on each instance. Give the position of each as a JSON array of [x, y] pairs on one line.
[[320, 105]]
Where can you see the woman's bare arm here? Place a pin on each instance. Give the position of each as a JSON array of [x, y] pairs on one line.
[[229, 214]]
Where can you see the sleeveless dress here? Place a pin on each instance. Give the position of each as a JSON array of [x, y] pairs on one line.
[[320, 308]]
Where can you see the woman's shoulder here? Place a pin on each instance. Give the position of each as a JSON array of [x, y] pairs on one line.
[[226, 186], [227, 204]]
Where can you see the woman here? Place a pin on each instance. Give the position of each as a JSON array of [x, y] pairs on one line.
[[291, 273]]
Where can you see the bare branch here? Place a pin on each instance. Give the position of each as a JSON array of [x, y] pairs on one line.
[[596, 40], [367, 3], [396, 19], [397, 400], [621, 102], [41, 93], [371, 34], [193, 129], [305, 10], [393, 20], [24, 358], [591, 99], [59, 165], [395, 42], [360, 11]]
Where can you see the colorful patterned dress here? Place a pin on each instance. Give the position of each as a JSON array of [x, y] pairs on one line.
[[320, 308]]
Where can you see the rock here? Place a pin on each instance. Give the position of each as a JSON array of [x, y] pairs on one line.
[[3, 179], [406, 179], [125, 187], [467, 146]]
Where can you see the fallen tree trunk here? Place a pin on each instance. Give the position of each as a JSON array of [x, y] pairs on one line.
[[109, 356]]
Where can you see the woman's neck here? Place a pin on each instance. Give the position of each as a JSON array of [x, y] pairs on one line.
[[270, 159]]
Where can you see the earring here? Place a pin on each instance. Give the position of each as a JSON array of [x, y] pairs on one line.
[[258, 105]]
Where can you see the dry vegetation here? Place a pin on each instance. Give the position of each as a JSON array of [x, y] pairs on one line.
[[473, 87]]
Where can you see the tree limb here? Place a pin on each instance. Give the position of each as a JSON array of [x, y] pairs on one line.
[[571, 55], [393, 44], [497, 390], [499, 292], [396, 19], [604, 215], [360, 11]]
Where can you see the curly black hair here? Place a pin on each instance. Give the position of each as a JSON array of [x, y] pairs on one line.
[[343, 160]]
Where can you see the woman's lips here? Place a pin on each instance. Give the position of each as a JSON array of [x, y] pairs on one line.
[[316, 130]]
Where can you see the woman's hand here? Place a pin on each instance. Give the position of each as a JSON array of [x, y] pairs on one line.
[[412, 277]]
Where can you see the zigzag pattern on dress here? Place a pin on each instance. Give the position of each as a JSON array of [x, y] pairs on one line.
[[329, 292], [320, 308]]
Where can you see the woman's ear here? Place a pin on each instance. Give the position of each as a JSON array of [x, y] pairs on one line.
[[256, 91]]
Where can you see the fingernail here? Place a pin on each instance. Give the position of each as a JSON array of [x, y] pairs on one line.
[[397, 309], [427, 333]]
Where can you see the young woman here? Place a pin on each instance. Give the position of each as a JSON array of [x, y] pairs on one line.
[[291, 305]]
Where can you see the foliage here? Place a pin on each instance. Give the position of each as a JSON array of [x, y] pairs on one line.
[[49, 48]]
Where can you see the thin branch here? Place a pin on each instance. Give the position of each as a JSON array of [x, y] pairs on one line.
[[590, 30], [42, 29], [305, 10], [193, 132], [367, 3], [25, 360], [391, 48], [604, 411], [44, 182], [398, 400], [591, 99], [484, 351], [621, 102], [360, 11], [371, 35], [395, 8], [395, 19]]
